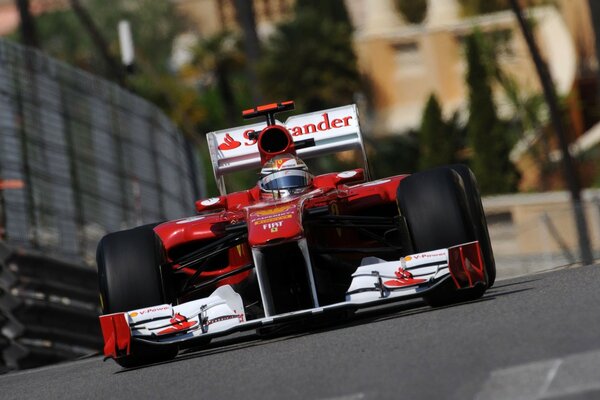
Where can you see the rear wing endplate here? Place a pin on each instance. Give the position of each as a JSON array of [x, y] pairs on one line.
[[333, 130]]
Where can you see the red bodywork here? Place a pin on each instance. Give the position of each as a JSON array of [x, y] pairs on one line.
[[116, 334], [276, 221], [269, 221], [333, 245]]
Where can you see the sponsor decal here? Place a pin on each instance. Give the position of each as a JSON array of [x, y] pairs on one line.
[[273, 226], [273, 219], [418, 256], [272, 211], [347, 174], [326, 124], [248, 141], [149, 310], [407, 258], [229, 143], [280, 161], [403, 278]]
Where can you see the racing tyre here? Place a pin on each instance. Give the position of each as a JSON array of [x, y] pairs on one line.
[[437, 213], [481, 229], [129, 278]]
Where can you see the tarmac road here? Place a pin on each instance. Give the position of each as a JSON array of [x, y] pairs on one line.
[[535, 337]]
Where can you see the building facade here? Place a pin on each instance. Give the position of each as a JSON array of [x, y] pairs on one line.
[[213, 16], [405, 63]]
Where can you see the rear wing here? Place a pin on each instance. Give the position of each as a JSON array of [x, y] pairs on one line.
[[333, 130]]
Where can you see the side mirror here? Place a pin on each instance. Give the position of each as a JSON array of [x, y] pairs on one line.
[[340, 178], [350, 176], [214, 203]]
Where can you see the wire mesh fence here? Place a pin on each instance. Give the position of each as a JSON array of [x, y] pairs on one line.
[[79, 157]]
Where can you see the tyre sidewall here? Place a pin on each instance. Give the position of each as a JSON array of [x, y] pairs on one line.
[[435, 206], [436, 209], [479, 219], [130, 278], [128, 270]]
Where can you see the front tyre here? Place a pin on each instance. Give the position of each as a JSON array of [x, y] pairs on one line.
[[437, 213], [479, 220], [129, 278]]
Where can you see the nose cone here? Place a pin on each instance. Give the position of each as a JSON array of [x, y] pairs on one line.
[[274, 223]]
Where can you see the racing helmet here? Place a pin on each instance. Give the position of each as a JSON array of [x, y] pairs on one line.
[[284, 175]]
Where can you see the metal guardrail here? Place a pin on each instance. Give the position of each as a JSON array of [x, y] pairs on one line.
[[48, 310], [91, 158], [537, 232], [79, 157]]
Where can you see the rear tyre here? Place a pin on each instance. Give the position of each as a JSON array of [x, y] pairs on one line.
[[481, 229], [437, 213], [129, 278]]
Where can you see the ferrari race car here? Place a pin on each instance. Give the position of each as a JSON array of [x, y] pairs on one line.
[[295, 246]]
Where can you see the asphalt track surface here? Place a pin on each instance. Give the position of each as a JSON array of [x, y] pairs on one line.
[[535, 337]]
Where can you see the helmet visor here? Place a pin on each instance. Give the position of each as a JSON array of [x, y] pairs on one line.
[[290, 179]]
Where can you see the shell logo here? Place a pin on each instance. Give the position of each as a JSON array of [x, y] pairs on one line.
[[133, 314], [407, 258]]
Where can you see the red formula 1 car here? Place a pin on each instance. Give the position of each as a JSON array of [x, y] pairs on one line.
[[295, 246]]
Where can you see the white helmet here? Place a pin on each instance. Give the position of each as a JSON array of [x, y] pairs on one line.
[[284, 175]]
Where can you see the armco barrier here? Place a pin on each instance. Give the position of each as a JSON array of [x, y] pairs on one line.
[[79, 157], [48, 310], [534, 232]]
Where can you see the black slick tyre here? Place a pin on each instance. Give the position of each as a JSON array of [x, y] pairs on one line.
[[437, 213], [129, 278]]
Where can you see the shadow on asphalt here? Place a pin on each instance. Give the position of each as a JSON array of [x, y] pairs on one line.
[[493, 295], [500, 286], [299, 329]]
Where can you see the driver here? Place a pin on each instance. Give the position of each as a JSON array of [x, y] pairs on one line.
[[284, 175]]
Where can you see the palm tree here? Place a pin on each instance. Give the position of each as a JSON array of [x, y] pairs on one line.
[[218, 57], [311, 60], [595, 11], [244, 11]]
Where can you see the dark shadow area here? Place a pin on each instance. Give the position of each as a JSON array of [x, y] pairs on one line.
[[500, 286], [494, 295]]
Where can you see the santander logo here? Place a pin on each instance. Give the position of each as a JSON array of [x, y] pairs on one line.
[[325, 124], [229, 143]]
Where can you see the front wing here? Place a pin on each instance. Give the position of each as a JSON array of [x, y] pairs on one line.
[[374, 282]]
